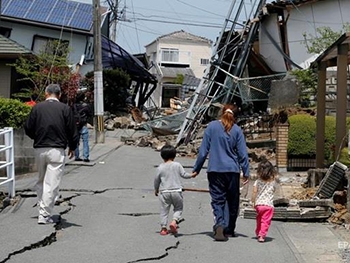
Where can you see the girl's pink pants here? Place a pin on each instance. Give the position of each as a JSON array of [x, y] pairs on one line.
[[264, 215]]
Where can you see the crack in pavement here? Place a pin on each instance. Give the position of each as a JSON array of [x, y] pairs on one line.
[[48, 240], [96, 191], [137, 214], [159, 257]]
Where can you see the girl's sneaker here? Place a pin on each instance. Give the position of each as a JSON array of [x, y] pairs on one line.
[[261, 239], [164, 232]]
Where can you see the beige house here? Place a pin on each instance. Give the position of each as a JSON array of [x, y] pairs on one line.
[[173, 56]]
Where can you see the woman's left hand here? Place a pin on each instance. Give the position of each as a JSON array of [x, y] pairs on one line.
[[245, 180]]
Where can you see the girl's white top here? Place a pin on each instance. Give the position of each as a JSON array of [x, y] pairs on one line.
[[265, 192]]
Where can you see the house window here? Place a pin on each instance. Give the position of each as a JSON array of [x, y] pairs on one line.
[[170, 54], [204, 61], [6, 32], [49, 45]]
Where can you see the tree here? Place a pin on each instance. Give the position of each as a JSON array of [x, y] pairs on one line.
[[116, 83], [326, 37], [51, 65], [307, 80]]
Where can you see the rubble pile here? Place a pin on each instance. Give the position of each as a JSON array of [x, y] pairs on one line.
[[305, 194], [340, 216]]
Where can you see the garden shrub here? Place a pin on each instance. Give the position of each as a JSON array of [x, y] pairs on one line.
[[329, 137], [344, 157], [302, 136], [13, 113]]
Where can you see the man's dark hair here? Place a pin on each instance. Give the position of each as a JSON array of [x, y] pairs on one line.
[[53, 89], [168, 152]]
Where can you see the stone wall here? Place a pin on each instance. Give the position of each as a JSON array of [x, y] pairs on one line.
[[24, 153]]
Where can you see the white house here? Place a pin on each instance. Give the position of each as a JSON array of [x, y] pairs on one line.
[[174, 54]]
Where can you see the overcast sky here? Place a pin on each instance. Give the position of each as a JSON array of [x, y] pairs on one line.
[[145, 20]]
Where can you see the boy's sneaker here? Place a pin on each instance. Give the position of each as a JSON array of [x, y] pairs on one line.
[[173, 227], [164, 232], [43, 220], [78, 159]]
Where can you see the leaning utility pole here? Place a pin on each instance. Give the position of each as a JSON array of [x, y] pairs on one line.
[[98, 78]]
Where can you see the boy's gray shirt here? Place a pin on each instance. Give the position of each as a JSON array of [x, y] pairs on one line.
[[168, 176]]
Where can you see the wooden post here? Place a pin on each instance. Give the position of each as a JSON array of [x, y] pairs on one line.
[[348, 194], [321, 113], [342, 85]]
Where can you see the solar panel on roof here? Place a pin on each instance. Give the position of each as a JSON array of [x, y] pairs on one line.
[[16, 8], [38, 11], [57, 12], [82, 17], [61, 14]]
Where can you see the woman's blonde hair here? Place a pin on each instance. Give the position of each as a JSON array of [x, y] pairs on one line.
[[228, 116]]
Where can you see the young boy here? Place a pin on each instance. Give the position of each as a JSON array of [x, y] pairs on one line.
[[167, 186]]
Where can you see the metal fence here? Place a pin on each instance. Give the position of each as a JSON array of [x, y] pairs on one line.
[[6, 146]]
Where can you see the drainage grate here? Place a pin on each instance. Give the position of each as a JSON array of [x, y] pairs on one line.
[[333, 177]]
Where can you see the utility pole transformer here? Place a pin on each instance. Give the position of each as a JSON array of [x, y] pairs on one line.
[[98, 78]]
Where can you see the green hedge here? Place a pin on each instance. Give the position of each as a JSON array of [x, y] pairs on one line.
[[13, 113], [302, 136]]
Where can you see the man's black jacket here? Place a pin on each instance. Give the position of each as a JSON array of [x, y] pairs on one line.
[[51, 124]]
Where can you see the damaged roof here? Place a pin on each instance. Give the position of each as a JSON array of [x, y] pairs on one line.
[[284, 4], [182, 35]]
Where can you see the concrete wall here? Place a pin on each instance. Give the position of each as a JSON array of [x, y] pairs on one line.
[[24, 153], [284, 93]]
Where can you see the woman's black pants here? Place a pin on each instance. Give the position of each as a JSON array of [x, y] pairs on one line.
[[224, 192]]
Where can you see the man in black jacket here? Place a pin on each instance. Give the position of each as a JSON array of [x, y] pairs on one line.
[[52, 126]]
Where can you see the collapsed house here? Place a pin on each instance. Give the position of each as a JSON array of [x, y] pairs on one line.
[[253, 53]]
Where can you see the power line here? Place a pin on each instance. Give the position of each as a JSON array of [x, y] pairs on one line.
[[137, 33], [179, 23]]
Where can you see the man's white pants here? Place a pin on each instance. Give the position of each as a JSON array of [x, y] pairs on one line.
[[50, 163]]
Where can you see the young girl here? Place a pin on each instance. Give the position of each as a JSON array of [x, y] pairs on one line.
[[262, 198]]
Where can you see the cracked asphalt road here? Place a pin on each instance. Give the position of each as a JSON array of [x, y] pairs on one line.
[[110, 214]]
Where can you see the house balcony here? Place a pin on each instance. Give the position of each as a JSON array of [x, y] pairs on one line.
[[174, 58]]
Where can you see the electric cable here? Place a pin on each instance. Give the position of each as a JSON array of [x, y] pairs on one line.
[[137, 34]]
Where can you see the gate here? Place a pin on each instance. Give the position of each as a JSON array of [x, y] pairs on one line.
[[6, 145]]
